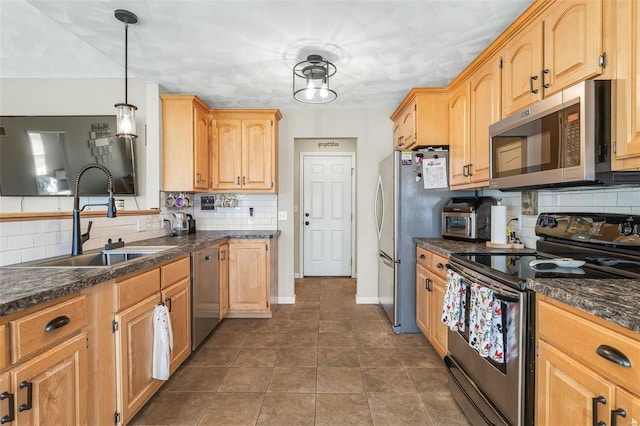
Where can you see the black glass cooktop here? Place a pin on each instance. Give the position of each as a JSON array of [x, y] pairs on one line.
[[518, 266]]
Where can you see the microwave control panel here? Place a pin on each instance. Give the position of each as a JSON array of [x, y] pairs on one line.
[[572, 137]]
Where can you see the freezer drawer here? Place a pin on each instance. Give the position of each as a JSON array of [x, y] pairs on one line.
[[387, 286]]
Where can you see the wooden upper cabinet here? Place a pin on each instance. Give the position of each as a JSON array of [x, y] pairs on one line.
[[185, 143], [626, 155], [244, 153], [572, 43], [421, 119], [485, 109], [459, 135], [558, 49]]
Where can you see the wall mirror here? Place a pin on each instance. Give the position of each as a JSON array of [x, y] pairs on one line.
[[42, 155]]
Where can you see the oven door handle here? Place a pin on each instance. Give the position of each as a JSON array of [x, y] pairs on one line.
[[498, 294]]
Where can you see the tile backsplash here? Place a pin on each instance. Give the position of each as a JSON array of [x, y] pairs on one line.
[[609, 200], [264, 207]]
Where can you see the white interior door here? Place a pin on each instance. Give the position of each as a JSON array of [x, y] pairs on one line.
[[327, 215]]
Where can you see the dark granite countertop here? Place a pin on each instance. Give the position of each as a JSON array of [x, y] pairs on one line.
[[21, 288], [615, 300]]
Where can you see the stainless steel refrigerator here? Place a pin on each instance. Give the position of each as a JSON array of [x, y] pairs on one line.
[[405, 210]]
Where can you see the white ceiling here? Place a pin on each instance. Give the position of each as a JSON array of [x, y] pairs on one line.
[[240, 54]]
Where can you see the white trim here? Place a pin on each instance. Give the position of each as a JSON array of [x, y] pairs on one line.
[[352, 155], [367, 300], [297, 275], [287, 300]]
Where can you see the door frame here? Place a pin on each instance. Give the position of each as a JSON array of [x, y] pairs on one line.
[[352, 156]]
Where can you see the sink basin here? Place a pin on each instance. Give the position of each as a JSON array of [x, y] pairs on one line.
[[99, 259]]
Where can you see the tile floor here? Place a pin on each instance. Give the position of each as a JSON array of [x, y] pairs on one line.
[[323, 361]]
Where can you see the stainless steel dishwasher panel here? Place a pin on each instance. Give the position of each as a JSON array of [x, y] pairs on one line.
[[205, 306]]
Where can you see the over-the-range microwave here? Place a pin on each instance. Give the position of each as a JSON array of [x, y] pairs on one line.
[[561, 141]]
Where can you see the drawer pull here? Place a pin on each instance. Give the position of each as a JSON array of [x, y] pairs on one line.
[[614, 415], [612, 354], [29, 404], [440, 266], [12, 413], [57, 322], [422, 256], [594, 408]]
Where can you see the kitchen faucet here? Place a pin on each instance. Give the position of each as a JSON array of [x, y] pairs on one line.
[[78, 239]]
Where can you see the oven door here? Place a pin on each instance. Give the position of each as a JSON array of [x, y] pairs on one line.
[[458, 225], [496, 391]]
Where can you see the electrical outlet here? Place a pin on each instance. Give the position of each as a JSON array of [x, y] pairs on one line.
[[282, 215]]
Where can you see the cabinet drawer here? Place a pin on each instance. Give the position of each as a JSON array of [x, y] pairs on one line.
[[34, 332], [581, 338], [134, 289], [175, 272], [423, 257], [439, 265]]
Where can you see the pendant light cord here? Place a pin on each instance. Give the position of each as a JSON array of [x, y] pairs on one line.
[[126, 61]]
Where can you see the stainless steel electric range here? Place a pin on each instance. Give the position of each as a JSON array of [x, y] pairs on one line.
[[571, 245]]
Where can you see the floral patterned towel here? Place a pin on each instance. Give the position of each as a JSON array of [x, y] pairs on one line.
[[485, 323], [454, 302]]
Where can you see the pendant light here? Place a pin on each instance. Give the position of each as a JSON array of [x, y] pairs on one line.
[[311, 80], [126, 113]]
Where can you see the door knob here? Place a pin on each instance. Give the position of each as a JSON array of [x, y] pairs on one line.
[[306, 223]]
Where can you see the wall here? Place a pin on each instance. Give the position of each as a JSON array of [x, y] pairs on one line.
[[372, 129], [313, 145]]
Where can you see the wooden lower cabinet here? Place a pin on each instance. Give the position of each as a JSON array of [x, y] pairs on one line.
[[224, 279], [178, 299], [52, 387], [573, 380], [6, 399], [252, 277], [430, 290]]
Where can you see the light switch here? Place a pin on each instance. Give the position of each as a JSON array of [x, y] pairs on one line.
[[282, 215]]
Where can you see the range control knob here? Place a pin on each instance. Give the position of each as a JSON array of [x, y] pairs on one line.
[[625, 228], [552, 222], [636, 229], [542, 221]]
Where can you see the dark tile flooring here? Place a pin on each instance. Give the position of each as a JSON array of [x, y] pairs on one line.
[[323, 361]]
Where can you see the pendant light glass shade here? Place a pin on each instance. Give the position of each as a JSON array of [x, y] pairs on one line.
[[126, 121], [311, 81], [125, 112]]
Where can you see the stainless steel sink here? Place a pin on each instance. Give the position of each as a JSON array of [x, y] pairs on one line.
[[99, 259]]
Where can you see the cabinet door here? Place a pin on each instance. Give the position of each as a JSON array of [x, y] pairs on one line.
[[409, 126], [397, 134], [565, 390], [226, 154], [627, 148], [224, 279], [178, 300], [631, 406], [53, 386], [572, 43], [522, 65], [438, 328], [257, 154], [423, 297], [134, 357], [486, 89], [248, 276], [200, 149], [459, 135], [7, 396]]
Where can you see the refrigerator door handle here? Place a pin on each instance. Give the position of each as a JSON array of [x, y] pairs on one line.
[[386, 259], [379, 214]]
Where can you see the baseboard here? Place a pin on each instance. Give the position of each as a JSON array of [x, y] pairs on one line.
[[296, 275], [288, 300], [367, 300]]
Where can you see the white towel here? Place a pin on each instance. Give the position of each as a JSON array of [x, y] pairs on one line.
[[454, 302], [162, 342], [485, 323]]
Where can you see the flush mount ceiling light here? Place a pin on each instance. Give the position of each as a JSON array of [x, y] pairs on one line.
[[311, 80], [126, 113]]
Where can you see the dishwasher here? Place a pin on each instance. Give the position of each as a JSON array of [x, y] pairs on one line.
[[205, 293]]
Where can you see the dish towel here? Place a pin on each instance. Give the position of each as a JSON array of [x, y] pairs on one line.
[[485, 323], [455, 300], [162, 342]]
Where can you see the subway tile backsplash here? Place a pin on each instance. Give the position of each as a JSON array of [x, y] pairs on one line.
[[609, 200], [265, 213]]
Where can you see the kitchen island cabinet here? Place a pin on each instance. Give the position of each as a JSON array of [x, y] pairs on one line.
[[587, 369], [244, 153], [421, 119], [430, 290]]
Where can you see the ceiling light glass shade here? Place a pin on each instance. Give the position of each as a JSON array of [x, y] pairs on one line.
[[126, 121], [311, 80]]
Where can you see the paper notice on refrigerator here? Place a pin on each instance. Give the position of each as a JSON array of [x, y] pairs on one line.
[[434, 172], [406, 158]]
